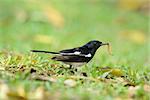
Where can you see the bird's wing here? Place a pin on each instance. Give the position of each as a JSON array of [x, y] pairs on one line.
[[71, 58], [79, 51], [69, 52]]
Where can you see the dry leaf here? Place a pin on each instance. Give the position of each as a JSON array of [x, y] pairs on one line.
[[44, 39], [39, 93], [132, 91], [81, 77], [114, 72], [43, 78], [18, 57], [131, 4], [138, 37], [21, 92], [21, 15], [125, 82], [135, 36], [104, 75], [53, 16], [33, 61], [70, 83], [2, 68], [147, 88], [15, 95], [4, 90], [117, 72]]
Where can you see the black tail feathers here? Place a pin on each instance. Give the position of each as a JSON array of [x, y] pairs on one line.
[[40, 51]]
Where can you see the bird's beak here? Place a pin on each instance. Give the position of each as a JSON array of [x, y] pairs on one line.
[[105, 44]]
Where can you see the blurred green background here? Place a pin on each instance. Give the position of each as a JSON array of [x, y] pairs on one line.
[[61, 24], [54, 25]]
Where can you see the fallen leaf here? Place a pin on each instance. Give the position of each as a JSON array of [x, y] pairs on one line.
[[2, 68], [33, 61], [21, 92], [131, 4], [39, 93], [54, 16], [43, 78], [125, 82], [105, 74], [147, 88], [16, 95], [21, 15], [18, 57], [70, 83], [132, 91], [117, 72], [135, 36], [81, 77], [145, 8], [4, 89], [44, 39], [114, 72]]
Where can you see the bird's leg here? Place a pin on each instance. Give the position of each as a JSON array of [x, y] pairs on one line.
[[75, 69], [84, 71], [70, 66], [71, 69]]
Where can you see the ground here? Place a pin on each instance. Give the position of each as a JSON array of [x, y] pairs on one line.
[[57, 25]]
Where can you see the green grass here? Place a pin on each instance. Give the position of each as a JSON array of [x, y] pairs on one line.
[[83, 21]]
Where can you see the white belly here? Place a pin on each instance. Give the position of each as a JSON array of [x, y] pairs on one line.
[[75, 64]]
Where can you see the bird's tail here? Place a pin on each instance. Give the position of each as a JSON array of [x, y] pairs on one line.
[[40, 51]]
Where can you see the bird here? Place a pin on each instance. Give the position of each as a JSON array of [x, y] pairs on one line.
[[78, 56]]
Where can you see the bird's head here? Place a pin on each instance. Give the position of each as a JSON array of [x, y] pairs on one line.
[[95, 44]]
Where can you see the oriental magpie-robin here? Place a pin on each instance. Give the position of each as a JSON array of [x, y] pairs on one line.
[[77, 56]]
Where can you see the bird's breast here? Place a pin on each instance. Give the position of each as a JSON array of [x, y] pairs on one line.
[[75, 64]]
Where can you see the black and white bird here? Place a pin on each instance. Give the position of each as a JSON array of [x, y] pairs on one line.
[[78, 56]]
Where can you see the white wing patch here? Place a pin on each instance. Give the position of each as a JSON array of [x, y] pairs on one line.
[[88, 55], [77, 52]]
